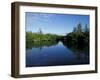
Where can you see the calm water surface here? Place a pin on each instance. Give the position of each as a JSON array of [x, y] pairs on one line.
[[57, 54]]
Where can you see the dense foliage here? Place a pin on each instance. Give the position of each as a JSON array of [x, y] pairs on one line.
[[40, 37], [78, 38]]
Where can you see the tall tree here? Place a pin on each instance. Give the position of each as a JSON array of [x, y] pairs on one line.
[[79, 28], [40, 31], [86, 28], [75, 29]]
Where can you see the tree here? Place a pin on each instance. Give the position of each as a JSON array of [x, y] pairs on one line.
[[75, 29], [29, 36], [79, 28], [40, 31], [86, 28]]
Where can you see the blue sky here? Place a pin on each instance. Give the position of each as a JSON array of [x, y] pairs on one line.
[[54, 23]]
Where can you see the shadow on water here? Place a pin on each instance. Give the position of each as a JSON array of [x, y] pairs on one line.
[[77, 49], [40, 44], [55, 53]]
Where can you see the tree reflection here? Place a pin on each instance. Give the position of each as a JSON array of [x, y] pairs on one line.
[[40, 44], [78, 49]]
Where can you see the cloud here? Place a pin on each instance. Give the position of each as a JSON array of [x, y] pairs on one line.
[[42, 17]]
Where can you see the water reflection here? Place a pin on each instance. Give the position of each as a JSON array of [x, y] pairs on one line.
[[78, 50], [51, 53], [40, 44]]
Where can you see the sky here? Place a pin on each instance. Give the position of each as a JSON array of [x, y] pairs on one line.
[[54, 23]]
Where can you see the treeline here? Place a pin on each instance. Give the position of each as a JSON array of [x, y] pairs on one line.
[[40, 37], [78, 38]]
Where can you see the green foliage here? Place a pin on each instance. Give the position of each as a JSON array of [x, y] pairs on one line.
[[86, 28], [79, 28], [39, 39], [38, 36], [79, 37], [29, 36]]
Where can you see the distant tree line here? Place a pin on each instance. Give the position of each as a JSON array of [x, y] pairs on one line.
[[79, 37], [40, 37]]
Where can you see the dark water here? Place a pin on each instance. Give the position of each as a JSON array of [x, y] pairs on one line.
[[55, 55]]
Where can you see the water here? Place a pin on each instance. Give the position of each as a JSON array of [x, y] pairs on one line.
[[54, 55]]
